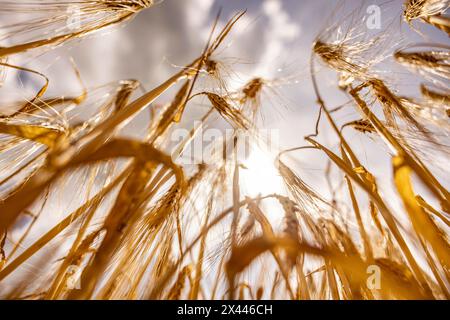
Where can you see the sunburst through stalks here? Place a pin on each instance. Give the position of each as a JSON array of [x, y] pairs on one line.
[[97, 200]]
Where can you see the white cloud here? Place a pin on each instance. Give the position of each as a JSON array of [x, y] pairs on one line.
[[281, 30]]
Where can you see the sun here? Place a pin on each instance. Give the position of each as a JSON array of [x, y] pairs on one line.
[[260, 176]]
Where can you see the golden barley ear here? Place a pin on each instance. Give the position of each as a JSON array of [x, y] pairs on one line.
[[428, 11], [70, 19]]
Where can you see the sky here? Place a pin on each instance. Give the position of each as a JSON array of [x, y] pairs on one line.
[[273, 41]]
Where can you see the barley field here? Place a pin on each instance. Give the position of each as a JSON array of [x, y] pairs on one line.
[[214, 149]]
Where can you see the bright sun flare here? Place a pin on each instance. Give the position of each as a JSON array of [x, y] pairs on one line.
[[261, 176]]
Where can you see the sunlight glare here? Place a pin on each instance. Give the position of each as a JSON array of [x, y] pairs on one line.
[[261, 176]]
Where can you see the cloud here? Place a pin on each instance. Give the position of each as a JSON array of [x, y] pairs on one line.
[[197, 13], [281, 30]]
